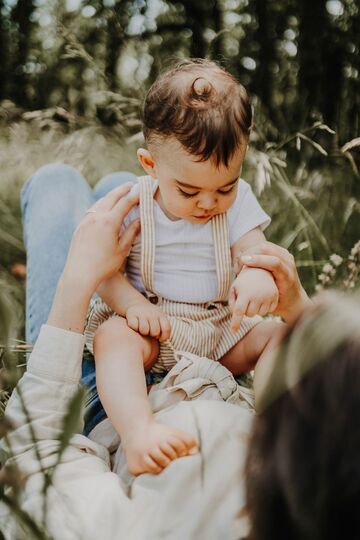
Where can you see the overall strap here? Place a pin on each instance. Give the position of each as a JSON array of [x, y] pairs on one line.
[[224, 269], [147, 232]]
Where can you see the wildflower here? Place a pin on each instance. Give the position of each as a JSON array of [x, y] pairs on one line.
[[328, 269], [336, 259]]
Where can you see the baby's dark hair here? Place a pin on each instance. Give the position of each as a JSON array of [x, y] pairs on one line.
[[202, 106]]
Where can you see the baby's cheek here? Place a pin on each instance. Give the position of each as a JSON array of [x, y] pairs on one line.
[[227, 202]]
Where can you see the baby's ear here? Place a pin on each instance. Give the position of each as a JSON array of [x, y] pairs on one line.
[[146, 161]]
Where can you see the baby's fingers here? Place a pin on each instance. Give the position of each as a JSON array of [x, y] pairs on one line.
[[133, 323], [144, 326], [232, 298], [273, 305], [165, 329], [264, 309], [253, 309], [155, 329], [238, 313]]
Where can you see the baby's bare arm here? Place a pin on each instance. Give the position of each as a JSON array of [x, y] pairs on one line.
[[118, 293], [140, 314]]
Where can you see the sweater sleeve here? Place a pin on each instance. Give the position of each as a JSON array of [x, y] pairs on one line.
[[83, 489]]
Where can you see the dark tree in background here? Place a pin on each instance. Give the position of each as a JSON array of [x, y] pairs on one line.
[[117, 22], [299, 57], [21, 18]]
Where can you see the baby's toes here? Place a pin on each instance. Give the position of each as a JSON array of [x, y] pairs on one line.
[[151, 465], [168, 450], [145, 464], [160, 457], [184, 443]]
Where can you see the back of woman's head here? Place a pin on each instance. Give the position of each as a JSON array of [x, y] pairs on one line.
[[303, 470]]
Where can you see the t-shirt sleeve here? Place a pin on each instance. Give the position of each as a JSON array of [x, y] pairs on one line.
[[245, 214]]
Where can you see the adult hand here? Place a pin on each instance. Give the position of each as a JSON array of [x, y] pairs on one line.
[[97, 251], [278, 261]]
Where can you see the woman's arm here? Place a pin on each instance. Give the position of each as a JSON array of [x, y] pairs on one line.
[[96, 253]]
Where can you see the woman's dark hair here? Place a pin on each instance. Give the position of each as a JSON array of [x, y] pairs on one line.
[[203, 106], [303, 465]]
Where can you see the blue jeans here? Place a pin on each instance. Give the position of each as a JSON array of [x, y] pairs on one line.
[[53, 202]]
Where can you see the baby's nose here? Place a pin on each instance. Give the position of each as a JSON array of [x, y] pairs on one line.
[[207, 203]]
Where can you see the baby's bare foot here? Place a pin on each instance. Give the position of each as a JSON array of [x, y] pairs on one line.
[[151, 448]]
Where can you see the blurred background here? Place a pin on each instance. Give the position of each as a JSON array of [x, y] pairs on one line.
[[73, 74]]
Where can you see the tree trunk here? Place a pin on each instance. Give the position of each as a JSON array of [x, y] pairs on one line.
[[313, 30], [116, 24], [21, 17], [217, 47], [265, 36], [3, 54]]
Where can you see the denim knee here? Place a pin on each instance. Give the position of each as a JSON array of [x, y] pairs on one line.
[[111, 181], [53, 175]]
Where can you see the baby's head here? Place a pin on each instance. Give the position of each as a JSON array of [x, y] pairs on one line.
[[196, 121]]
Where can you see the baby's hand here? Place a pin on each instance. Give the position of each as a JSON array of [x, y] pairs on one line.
[[252, 293], [148, 320]]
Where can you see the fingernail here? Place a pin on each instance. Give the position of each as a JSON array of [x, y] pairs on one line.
[[193, 451], [247, 258]]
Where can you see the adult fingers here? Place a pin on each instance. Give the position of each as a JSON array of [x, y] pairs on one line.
[[126, 240], [281, 271], [110, 199], [123, 207], [269, 248], [238, 313], [264, 248], [267, 262], [273, 306]]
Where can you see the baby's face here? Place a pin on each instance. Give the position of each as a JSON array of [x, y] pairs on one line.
[[189, 189]]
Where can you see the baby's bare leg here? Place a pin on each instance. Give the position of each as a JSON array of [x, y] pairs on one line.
[[260, 341], [121, 355]]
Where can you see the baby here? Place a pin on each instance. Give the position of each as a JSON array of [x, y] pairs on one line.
[[179, 292]]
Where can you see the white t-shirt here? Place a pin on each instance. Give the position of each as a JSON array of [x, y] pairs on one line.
[[185, 269]]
